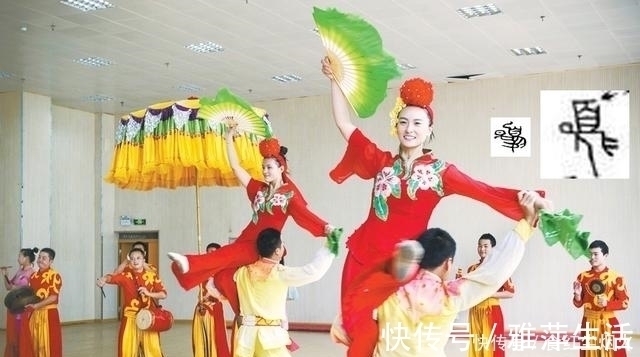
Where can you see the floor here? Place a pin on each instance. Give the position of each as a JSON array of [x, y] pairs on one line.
[[99, 340]]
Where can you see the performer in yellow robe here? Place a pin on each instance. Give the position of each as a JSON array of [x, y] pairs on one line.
[[262, 292], [601, 291], [208, 329], [417, 320], [486, 321]]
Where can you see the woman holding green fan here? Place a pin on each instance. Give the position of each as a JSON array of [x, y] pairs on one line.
[[407, 187]]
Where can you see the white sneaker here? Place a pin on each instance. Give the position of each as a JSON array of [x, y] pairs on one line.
[[180, 260], [406, 260]]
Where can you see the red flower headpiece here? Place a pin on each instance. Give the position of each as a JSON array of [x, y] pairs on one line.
[[418, 93], [270, 148]]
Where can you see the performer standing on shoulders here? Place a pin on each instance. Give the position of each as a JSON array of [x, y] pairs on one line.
[[407, 186], [273, 202]]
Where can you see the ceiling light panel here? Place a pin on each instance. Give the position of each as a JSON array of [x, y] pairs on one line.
[[406, 66], [528, 51], [97, 98], [205, 47], [87, 5], [478, 11], [94, 61], [6, 75], [287, 78], [189, 88]]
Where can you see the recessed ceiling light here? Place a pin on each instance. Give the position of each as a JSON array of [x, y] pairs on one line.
[[528, 51], [97, 98], [406, 66], [6, 75], [94, 61], [205, 47], [287, 78], [87, 5], [478, 11], [189, 88]]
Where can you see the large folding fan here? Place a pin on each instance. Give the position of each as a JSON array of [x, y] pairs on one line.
[[228, 108], [360, 65]]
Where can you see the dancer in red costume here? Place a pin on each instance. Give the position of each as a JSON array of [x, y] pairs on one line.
[[407, 187], [273, 202]]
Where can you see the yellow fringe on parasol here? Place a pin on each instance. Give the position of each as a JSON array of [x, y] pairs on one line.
[[167, 145]]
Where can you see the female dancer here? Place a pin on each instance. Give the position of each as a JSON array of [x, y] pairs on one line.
[[273, 201], [18, 345], [407, 187]]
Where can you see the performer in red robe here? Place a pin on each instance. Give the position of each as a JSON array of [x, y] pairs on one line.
[[601, 291]]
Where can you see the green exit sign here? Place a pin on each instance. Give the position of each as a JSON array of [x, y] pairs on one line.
[[139, 221]]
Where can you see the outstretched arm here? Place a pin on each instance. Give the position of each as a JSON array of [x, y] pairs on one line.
[[503, 259], [313, 271], [241, 174], [340, 106]]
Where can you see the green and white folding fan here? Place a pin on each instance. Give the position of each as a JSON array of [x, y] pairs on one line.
[[228, 108], [360, 65]]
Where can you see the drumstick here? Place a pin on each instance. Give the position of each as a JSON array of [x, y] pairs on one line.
[[6, 278], [104, 296]]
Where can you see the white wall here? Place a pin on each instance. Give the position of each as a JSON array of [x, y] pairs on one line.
[[10, 179]]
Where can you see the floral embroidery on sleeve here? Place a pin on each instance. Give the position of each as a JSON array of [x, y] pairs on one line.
[[424, 177], [261, 204]]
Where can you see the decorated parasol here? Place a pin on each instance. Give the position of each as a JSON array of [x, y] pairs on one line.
[[359, 64], [171, 145]]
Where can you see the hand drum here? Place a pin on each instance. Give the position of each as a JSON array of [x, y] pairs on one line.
[[18, 298]]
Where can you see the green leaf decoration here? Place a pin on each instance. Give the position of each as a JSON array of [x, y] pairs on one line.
[[227, 108], [333, 240], [360, 65], [563, 228], [380, 207]]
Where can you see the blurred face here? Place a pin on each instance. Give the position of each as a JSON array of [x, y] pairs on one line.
[[414, 127], [23, 260], [212, 249], [44, 261], [137, 260], [271, 170], [598, 259], [484, 247]]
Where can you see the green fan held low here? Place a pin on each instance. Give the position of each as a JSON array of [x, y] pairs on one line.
[[563, 228], [333, 240], [226, 108], [360, 65]]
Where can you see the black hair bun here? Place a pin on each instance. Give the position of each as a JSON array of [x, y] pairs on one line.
[[35, 250], [283, 150]]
